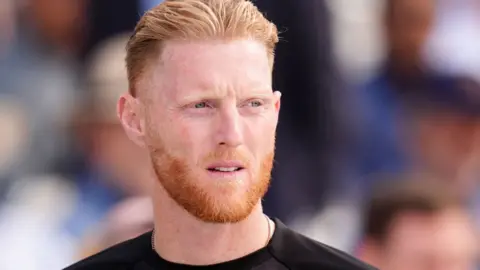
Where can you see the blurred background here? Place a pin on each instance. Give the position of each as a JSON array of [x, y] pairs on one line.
[[378, 148]]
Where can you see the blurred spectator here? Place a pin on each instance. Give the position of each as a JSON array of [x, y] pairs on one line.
[[40, 71], [357, 22], [128, 219], [7, 24], [407, 26], [419, 225], [48, 216], [60, 24], [439, 137], [444, 138], [382, 105], [417, 119], [373, 114], [13, 146], [114, 167], [39, 79]]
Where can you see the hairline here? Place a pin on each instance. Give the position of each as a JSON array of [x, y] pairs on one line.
[[156, 59]]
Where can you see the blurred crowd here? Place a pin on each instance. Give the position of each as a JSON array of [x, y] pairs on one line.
[[378, 146]]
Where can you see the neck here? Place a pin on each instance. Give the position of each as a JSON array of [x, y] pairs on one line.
[[182, 238]]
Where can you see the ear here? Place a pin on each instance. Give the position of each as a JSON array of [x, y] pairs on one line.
[[277, 96], [276, 103], [130, 113]]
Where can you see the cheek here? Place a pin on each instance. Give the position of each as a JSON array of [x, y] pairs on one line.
[[259, 135], [185, 139]]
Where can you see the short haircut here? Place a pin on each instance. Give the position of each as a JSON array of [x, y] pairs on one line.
[[414, 195], [195, 20]]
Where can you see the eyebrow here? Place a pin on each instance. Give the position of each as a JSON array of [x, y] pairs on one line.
[[260, 94]]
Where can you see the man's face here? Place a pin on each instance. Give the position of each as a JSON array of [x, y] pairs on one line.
[[409, 26], [60, 21], [210, 121], [448, 145], [442, 241]]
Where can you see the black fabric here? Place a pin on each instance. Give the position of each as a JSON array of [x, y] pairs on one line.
[[287, 250]]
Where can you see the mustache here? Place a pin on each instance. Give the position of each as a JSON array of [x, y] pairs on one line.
[[227, 153], [159, 154]]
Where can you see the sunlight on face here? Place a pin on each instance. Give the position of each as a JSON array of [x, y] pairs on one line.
[[211, 120]]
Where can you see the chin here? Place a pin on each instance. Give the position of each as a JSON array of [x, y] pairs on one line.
[[227, 190], [229, 202], [214, 197]]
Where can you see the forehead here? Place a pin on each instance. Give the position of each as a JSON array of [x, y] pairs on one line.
[[451, 231], [184, 67]]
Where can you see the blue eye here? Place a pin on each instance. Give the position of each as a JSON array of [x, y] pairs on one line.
[[200, 105], [256, 103]]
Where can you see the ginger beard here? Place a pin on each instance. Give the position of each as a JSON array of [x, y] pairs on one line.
[[203, 201]]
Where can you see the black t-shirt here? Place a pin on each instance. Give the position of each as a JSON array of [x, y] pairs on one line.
[[287, 250]]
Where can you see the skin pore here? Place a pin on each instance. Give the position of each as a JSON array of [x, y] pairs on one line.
[[208, 116]]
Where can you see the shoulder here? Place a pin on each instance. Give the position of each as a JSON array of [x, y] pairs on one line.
[[122, 256], [297, 251]]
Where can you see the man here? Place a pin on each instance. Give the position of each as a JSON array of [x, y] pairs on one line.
[[303, 67], [201, 102], [418, 225], [383, 100]]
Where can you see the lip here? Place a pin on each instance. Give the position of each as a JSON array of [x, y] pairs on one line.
[[233, 175], [226, 164]]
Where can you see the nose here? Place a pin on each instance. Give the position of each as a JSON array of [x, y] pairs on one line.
[[229, 131]]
